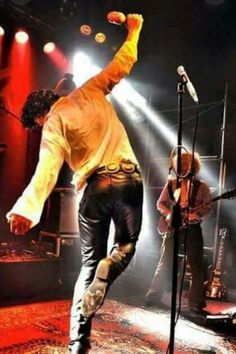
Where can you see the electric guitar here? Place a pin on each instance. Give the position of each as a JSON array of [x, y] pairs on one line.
[[164, 225], [215, 287]]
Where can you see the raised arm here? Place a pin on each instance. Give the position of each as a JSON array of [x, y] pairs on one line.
[[123, 61]]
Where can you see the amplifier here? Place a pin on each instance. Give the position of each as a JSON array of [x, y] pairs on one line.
[[61, 214]]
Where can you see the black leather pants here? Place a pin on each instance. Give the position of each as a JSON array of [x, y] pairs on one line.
[[107, 196]]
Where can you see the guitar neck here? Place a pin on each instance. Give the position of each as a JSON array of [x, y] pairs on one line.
[[206, 205], [227, 195], [221, 250]]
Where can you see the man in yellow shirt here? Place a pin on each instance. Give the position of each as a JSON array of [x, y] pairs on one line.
[[84, 130]]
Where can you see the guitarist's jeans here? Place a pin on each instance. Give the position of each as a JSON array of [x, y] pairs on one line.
[[163, 275], [107, 196]]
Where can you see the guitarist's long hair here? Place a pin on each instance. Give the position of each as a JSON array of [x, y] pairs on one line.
[[189, 165]]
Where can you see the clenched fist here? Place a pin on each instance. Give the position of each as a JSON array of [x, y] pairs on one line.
[[134, 21], [19, 225]]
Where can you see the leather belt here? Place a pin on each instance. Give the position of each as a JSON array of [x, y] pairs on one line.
[[116, 167]]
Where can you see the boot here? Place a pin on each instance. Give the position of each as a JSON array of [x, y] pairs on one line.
[[80, 351], [107, 271], [77, 348]]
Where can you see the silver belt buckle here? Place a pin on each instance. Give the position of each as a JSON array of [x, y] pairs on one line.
[[112, 168]]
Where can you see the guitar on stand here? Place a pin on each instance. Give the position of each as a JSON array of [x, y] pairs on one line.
[[216, 288]]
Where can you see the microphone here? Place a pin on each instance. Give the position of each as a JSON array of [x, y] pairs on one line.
[[191, 90], [115, 17]]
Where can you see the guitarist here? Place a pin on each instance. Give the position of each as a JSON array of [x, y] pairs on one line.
[[192, 193]]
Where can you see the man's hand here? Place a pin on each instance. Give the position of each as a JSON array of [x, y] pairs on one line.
[[193, 216], [134, 22], [168, 216], [19, 225]]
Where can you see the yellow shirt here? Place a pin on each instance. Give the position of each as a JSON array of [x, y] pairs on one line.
[[82, 129]]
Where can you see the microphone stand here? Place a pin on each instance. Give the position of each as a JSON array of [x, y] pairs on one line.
[[176, 220], [8, 112]]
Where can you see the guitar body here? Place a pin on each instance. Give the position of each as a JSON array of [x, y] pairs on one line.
[[216, 289], [163, 225]]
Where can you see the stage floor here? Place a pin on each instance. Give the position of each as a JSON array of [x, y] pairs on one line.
[[42, 328]]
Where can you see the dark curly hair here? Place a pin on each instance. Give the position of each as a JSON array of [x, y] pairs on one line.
[[37, 104]]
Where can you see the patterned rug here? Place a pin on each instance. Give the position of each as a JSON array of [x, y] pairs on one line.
[[42, 328]]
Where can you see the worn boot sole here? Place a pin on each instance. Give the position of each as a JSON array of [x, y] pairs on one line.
[[95, 294]]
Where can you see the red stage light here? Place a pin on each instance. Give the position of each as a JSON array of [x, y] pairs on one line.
[[56, 56], [1, 31], [49, 47], [21, 83], [21, 37]]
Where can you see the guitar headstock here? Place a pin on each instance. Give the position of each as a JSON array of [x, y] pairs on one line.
[[229, 194]]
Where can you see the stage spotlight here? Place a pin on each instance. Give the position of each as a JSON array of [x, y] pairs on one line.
[[82, 58], [82, 68], [49, 47], [86, 30], [21, 37], [1, 31], [131, 95], [56, 56], [100, 37]]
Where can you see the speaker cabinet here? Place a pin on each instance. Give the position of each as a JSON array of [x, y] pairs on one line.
[[62, 212], [28, 279]]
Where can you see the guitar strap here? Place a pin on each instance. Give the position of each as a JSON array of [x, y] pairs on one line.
[[170, 190], [196, 185]]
